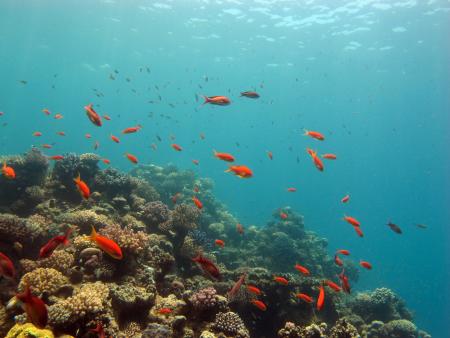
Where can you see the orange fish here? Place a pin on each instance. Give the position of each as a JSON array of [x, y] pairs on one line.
[[250, 94], [281, 280], [344, 281], [61, 133], [321, 298], [237, 286], [82, 187], [46, 111], [6, 267], [106, 161], [240, 228], [301, 269], [316, 160], [106, 244], [58, 116], [131, 130], [283, 215], [115, 138], [196, 162], [253, 289], [345, 199], [197, 202], [351, 220], [240, 171], [106, 117], [207, 266], [338, 261], [92, 115], [217, 100], [333, 285], [314, 134], [99, 331], [224, 156], [8, 172], [259, 304], [56, 157], [52, 244], [220, 243], [46, 146], [304, 297], [34, 307], [291, 189], [329, 156], [358, 231], [37, 133], [270, 155], [343, 252], [132, 158], [176, 147], [365, 265], [165, 311]]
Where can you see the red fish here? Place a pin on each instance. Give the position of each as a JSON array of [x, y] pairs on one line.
[[46, 111], [34, 307], [61, 133], [197, 202], [314, 134], [220, 243], [304, 297], [250, 94], [329, 156], [131, 158], [292, 189], [37, 133], [224, 156], [8, 172], [6, 267], [115, 138], [259, 304], [321, 298], [366, 265], [82, 187], [301, 269], [56, 157], [106, 244], [106, 117], [240, 171], [131, 130], [237, 286], [106, 161], [240, 228], [253, 289], [283, 215], [316, 160], [338, 261], [52, 244], [217, 100], [343, 252], [174, 198], [270, 155], [99, 331], [207, 266], [358, 231], [46, 146], [281, 280], [351, 220], [333, 285], [345, 199], [176, 147], [344, 282], [165, 311], [196, 162], [92, 115], [58, 116]]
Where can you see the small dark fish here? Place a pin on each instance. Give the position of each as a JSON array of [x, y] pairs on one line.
[[116, 71], [23, 82], [395, 228], [148, 69], [111, 77], [422, 226], [158, 137], [128, 79]]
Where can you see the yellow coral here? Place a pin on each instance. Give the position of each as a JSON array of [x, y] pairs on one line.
[[28, 330]]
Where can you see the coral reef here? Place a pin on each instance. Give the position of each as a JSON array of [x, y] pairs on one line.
[[230, 323], [28, 330]]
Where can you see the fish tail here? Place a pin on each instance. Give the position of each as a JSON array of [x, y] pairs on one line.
[[206, 99], [305, 132]]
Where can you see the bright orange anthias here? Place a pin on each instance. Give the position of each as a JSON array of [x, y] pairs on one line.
[[207, 266], [220, 243], [304, 297], [301, 269], [314, 134], [338, 261], [281, 280], [34, 307], [259, 304], [8, 172], [131, 130], [224, 156], [131, 158], [107, 245], [6, 267], [197, 202], [321, 298], [52, 244], [92, 115], [82, 187], [177, 147], [333, 285], [329, 156], [253, 289], [351, 220], [240, 171], [237, 286], [217, 100], [344, 282], [115, 138], [316, 160]]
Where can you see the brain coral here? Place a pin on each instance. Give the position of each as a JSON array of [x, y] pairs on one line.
[[230, 323]]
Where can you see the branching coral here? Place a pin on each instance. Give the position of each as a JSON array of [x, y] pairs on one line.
[[84, 219], [60, 260], [155, 213], [133, 242], [43, 280]]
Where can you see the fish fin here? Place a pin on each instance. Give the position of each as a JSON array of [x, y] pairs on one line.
[[206, 99], [78, 178], [305, 132], [93, 233]]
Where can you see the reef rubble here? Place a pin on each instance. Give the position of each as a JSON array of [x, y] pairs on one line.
[[157, 290]]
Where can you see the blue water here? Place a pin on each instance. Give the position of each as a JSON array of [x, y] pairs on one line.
[[372, 76]]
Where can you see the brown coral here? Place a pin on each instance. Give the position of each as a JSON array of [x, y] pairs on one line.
[[60, 260], [85, 219], [132, 241], [43, 280]]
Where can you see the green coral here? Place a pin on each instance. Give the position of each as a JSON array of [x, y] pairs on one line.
[[28, 330]]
